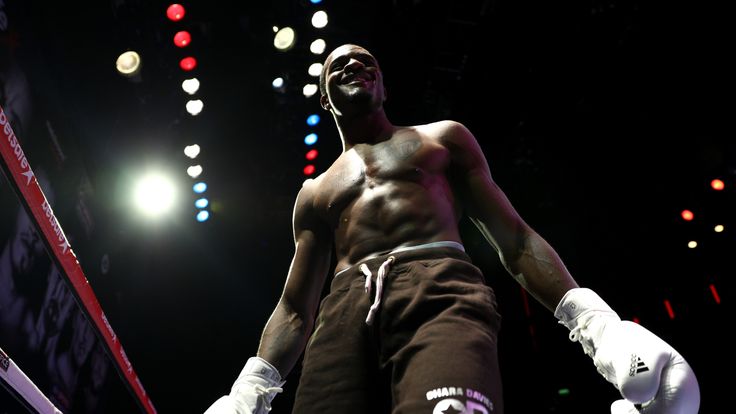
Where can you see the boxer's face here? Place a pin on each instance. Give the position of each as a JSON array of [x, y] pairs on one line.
[[352, 77]]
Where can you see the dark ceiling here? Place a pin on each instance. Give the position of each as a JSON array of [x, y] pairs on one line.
[[601, 120]]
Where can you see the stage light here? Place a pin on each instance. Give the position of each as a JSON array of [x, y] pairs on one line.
[[188, 63], [310, 89], [194, 171], [668, 307], [201, 203], [154, 194], [717, 184], [687, 215], [278, 84], [190, 86], [315, 69], [311, 154], [203, 216], [175, 12], [319, 19], [313, 120], [309, 170], [191, 151], [310, 139], [315, 1], [692, 244], [714, 292], [128, 63], [182, 38], [194, 107], [318, 47], [199, 187], [284, 39], [719, 228]]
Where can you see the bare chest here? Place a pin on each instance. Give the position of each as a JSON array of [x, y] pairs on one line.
[[375, 171]]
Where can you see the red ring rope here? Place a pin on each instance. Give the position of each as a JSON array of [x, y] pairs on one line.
[[20, 175]]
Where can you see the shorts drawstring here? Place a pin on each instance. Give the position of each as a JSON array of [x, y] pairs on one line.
[[382, 271]]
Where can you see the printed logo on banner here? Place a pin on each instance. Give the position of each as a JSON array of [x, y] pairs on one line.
[[15, 146], [4, 361], [55, 226]]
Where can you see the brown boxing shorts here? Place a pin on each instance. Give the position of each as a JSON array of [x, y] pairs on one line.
[[431, 347]]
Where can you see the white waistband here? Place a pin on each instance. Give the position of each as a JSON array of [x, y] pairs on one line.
[[446, 243]]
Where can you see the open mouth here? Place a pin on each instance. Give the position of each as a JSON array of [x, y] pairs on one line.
[[358, 80]]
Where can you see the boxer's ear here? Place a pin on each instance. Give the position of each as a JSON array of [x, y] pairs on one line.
[[324, 102]]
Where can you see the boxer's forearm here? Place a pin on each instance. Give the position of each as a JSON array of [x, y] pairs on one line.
[[284, 338], [539, 269]]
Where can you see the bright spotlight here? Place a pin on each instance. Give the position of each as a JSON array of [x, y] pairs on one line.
[[154, 195], [318, 47], [203, 216], [319, 19], [194, 107], [191, 151], [310, 89], [194, 171], [190, 86], [284, 39]]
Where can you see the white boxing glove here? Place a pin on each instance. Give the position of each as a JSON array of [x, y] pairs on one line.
[[252, 392], [651, 375]]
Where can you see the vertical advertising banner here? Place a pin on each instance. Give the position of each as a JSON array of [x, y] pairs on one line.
[[50, 325]]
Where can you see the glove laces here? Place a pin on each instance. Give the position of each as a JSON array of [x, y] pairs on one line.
[[581, 333], [263, 393], [578, 334]]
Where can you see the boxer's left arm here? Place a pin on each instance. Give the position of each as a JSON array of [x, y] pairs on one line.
[[522, 251], [668, 386]]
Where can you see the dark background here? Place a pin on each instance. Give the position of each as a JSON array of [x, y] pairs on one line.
[[601, 120]]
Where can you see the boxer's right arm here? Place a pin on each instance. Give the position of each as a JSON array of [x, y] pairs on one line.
[[291, 322]]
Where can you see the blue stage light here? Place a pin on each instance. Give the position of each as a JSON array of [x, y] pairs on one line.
[[310, 139]]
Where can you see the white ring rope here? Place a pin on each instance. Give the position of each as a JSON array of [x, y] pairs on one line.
[[12, 375]]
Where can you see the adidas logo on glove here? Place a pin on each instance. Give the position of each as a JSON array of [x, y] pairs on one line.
[[637, 366]]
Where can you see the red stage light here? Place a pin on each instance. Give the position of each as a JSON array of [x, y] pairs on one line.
[[687, 215], [309, 169], [717, 184], [312, 154], [670, 311], [188, 63], [175, 12], [714, 292], [182, 38]]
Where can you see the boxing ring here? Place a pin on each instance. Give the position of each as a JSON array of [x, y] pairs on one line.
[[21, 178]]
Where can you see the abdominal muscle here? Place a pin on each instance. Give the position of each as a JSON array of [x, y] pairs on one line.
[[394, 214]]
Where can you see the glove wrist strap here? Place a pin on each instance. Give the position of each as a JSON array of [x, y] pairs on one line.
[[577, 302], [261, 368]]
